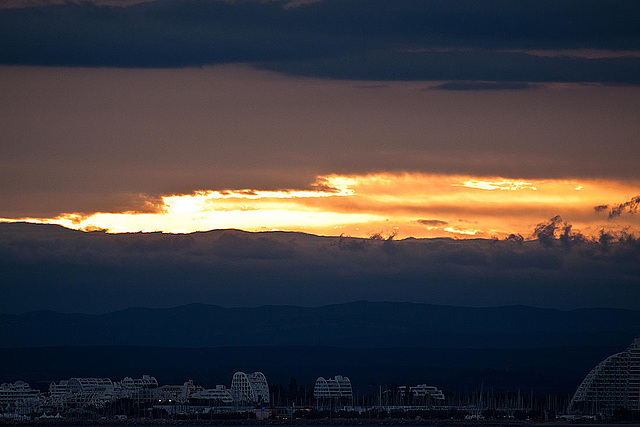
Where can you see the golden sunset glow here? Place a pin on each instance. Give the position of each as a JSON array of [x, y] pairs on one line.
[[406, 204]]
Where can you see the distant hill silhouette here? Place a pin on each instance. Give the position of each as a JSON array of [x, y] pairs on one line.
[[351, 325]]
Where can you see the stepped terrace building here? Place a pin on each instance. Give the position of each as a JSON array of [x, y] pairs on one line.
[[613, 384]]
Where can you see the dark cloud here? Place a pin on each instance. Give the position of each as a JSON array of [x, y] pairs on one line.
[[48, 267], [432, 222], [545, 232], [556, 230], [517, 238], [631, 207], [570, 238], [350, 244], [475, 64], [372, 86], [556, 233], [373, 40], [482, 86]]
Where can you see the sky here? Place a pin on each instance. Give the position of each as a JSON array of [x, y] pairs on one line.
[[405, 118], [507, 132]]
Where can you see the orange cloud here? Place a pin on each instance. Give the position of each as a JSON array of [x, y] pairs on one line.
[[406, 204]]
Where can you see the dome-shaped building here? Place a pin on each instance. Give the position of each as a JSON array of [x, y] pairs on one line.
[[613, 384]]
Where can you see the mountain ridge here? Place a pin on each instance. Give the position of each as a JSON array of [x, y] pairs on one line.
[[350, 303]]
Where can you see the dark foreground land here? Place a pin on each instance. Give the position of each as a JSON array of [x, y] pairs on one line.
[[316, 422]]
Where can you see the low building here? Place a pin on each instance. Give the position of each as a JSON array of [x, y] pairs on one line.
[[427, 393], [218, 396], [333, 388], [140, 389], [80, 392], [16, 395], [176, 393]]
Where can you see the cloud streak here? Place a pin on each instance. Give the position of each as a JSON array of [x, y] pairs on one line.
[[432, 222], [482, 86]]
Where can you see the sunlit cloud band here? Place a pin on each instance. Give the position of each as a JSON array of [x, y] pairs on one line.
[[404, 204]]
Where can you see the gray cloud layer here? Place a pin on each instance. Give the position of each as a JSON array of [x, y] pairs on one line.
[[48, 267], [372, 39]]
